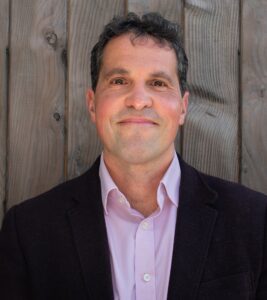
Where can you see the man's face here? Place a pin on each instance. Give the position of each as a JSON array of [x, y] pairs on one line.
[[137, 106]]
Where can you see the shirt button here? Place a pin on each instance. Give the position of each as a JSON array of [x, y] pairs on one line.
[[147, 277], [121, 200], [145, 225]]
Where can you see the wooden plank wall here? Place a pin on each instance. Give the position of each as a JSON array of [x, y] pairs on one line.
[[4, 27], [212, 41], [45, 76], [254, 94], [36, 97]]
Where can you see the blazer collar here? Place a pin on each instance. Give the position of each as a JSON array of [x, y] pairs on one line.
[[194, 227]]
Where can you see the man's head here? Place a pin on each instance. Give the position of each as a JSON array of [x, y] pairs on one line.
[[149, 25], [136, 100]]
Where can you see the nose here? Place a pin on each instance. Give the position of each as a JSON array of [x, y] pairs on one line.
[[138, 98]]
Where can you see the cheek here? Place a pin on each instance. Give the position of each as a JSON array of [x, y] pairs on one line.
[[171, 109], [104, 111], [108, 104]]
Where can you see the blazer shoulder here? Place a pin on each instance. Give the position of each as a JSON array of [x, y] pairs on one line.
[[223, 189], [231, 194], [61, 197], [226, 187]]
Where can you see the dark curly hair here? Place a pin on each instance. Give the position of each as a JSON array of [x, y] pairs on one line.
[[151, 24]]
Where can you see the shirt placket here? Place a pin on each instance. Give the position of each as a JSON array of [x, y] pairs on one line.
[[145, 261]]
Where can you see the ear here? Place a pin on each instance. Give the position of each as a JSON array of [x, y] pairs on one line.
[[184, 106], [90, 101]]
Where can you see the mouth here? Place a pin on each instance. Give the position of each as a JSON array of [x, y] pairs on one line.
[[137, 121]]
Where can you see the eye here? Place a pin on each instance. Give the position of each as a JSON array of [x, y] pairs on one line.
[[158, 83], [118, 81]]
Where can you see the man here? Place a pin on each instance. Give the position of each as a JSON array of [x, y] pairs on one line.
[[141, 223]]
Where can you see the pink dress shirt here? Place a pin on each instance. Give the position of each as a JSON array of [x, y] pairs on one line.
[[141, 248]]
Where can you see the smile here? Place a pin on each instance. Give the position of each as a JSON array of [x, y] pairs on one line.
[[137, 121]]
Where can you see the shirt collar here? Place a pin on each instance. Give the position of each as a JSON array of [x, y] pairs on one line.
[[170, 182], [107, 183]]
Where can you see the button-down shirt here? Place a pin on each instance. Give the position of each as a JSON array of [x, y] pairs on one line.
[[141, 247]]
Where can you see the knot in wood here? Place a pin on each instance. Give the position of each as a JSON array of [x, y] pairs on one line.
[[245, 169], [262, 91], [51, 38], [57, 116]]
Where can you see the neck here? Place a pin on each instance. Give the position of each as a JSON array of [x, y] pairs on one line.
[[139, 183]]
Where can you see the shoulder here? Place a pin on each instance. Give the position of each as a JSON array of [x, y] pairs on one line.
[[60, 198], [240, 209], [224, 189], [228, 197], [231, 190]]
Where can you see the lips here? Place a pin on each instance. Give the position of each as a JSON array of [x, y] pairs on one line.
[[137, 121]]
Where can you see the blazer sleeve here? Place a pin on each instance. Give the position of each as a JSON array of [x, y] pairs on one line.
[[14, 281]]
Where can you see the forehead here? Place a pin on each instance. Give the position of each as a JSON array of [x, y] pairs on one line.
[[132, 49]]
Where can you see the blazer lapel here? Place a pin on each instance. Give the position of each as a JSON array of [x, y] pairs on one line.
[[195, 222], [90, 237]]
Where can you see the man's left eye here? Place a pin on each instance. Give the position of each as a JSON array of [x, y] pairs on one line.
[[158, 83], [118, 81]]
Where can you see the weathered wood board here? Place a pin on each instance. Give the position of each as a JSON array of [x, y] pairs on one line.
[[4, 21], [212, 42], [254, 94], [37, 97], [172, 9]]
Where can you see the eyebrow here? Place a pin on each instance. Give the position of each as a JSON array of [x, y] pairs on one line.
[[162, 74], [115, 71]]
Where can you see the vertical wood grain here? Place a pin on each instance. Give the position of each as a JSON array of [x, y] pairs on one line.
[[37, 93], [254, 94], [171, 10], [4, 20], [212, 44], [86, 21]]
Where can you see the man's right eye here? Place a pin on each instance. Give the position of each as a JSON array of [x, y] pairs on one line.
[[118, 81]]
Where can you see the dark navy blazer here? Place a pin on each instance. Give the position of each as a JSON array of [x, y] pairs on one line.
[[55, 246]]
